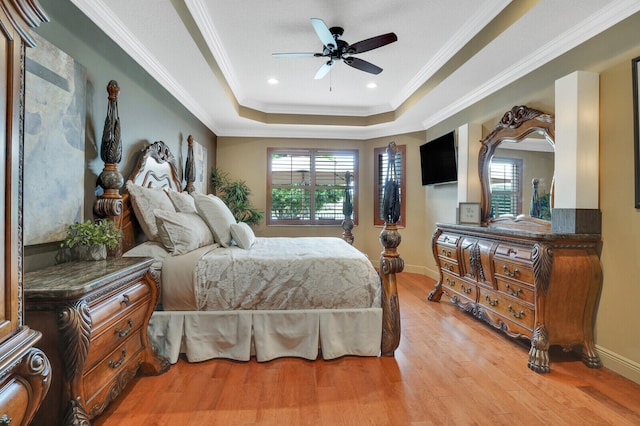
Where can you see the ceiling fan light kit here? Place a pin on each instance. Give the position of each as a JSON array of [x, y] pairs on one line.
[[335, 49]]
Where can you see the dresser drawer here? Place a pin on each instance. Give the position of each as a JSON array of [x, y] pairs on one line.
[[450, 266], [453, 286], [447, 252], [15, 399], [449, 240], [111, 365], [518, 312], [513, 271], [108, 338], [523, 254], [521, 291], [109, 309]]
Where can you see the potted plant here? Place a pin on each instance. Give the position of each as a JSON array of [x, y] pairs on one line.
[[90, 240]]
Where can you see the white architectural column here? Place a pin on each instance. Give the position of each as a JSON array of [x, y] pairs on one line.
[[577, 123], [469, 136]]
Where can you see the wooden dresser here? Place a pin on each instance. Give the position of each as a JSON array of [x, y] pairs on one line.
[[94, 318], [537, 286]]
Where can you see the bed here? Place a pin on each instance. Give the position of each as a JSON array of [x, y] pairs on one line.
[[226, 293]]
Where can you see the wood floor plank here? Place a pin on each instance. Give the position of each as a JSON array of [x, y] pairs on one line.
[[449, 369]]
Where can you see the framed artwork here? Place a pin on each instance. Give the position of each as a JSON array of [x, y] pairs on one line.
[[469, 214], [54, 141], [635, 67]]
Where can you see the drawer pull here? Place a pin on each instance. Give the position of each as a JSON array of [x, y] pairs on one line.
[[126, 301], [447, 267], [446, 252], [5, 420], [123, 333], [513, 293], [465, 289], [516, 314], [116, 364], [513, 273], [489, 301], [452, 283]]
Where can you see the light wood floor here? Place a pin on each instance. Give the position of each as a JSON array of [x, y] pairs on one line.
[[449, 369]]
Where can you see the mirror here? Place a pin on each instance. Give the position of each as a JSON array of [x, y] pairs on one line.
[[516, 165]]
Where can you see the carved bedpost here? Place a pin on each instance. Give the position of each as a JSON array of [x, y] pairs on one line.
[[189, 167], [390, 260], [109, 204], [347, 209]]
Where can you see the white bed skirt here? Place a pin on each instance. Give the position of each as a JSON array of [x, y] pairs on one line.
[[237, 335]]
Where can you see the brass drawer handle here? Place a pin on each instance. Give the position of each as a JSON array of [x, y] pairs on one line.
[[465, 289], [5, 420], [516, 314], [513, 273], [126, 301], [446, 252], [447, 267], [489, 301], [116, 364], [123, 333], [451, 282], [513, 293]]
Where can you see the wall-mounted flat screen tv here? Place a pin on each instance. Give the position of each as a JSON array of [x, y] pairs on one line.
[[438, 160]]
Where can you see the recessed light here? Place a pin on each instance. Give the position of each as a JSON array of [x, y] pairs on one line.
[[372, 85], [273, 81]]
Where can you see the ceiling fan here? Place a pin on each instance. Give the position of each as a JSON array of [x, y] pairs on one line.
[[336, 49]]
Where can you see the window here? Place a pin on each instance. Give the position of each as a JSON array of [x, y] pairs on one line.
[[505, 176], [380, 176], [307, 186]]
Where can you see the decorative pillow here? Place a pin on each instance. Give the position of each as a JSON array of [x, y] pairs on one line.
[[181, 233], [144, 201], [217, 215], [243, 235], [182, 201]]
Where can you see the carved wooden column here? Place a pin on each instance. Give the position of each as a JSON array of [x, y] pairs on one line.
[[347, 209], [390, 260], [109, 204], [189, 167]]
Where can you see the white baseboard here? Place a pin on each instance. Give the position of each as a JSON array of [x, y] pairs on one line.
[[621, 365], [422, 270]]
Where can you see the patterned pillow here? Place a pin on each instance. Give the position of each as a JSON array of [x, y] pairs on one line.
[[243, 235], [182, 201], [144, 201], [181, 233], [217, 215]]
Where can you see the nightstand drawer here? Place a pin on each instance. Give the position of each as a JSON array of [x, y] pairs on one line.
[[109, 309], [105, 341], [107, 371]]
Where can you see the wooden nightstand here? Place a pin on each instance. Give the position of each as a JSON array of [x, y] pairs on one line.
[[94, 318]]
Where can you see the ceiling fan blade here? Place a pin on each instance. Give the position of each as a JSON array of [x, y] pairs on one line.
[[323, 33], [324, 70], [294, 55], [365, 66], [372, 43]]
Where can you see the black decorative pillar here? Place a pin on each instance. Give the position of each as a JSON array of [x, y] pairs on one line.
[[390, 260], [189, 167], [347, 209], [109, 204]]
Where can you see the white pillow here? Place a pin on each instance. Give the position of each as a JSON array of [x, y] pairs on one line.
[[217, 215], [181, 233], [243, 235], [144, 201], [149, 249], [182, 201]]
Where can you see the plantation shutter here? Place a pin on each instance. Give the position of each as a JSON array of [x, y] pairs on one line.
[[505, 176]]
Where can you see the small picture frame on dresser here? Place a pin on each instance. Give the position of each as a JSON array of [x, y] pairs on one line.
[[469, 213]]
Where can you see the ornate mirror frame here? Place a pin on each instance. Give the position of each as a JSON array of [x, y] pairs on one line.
[[515, 125]]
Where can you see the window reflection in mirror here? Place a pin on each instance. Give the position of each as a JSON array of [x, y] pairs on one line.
[[521, 178]]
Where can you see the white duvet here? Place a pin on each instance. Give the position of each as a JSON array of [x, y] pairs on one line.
[[274, 274]]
